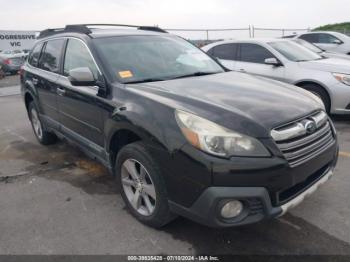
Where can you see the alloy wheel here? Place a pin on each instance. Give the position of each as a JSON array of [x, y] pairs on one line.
[[36, 123], [138, 187]]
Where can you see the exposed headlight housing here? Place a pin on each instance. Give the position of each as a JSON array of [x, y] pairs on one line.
[[217, 140], [344, 78]]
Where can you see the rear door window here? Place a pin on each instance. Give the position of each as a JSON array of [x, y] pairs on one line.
[[254, 53], [225, 51], [312, 38], [51, 56]]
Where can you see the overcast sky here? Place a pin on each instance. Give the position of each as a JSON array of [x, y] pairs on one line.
[[41, 14]]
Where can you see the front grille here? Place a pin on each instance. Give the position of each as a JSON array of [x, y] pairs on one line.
[[298, 144], [255, 207], [289, 193]]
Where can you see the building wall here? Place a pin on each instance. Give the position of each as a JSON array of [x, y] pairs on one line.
[[17, 40]]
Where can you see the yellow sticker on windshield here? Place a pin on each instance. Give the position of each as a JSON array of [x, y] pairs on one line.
[[125, 74]]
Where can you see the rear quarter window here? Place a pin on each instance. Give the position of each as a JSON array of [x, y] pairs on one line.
[[35, 55]]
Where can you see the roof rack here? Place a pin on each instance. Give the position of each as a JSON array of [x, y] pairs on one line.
[[139, 27], [84, 29]]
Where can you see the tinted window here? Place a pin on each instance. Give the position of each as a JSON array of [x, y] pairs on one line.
[[327, 39], [77, 55], [254, 53], [226, 51], [35, 55], [50, 58], [312, 38]]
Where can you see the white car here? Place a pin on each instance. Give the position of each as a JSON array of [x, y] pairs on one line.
[[329, 41], [287, 61], [12, 53], [320, 51]]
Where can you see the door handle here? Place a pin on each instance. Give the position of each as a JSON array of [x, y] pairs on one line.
[[242, 70], [35, 81], [60, 91]]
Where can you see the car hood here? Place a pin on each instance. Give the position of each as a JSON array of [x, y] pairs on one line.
[[328, 65], [223, 97], [336, 55]]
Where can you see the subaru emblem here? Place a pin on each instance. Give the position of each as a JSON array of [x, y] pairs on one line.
[[310, 127]]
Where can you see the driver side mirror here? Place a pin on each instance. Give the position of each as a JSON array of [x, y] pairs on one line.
[[337, 42], [272, 61], [81, 76]]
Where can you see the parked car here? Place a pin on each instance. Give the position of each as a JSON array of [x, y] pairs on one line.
[[320, 51], [182, 135], [286, 61], [2, 72], [12, 53], [330, 41], [11, 65]]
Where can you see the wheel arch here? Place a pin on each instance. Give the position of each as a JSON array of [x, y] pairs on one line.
[[120, 138], [125, 135], [313, 82]]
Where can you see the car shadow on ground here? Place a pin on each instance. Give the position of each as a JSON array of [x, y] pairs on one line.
[[287, 235]]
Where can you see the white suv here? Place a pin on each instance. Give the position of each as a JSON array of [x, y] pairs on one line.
[[329, 41]]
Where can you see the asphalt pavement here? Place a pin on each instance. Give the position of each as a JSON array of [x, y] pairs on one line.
[[55, 200]]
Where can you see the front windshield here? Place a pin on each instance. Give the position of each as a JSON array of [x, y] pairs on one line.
[[294, 52], [308, 45], [153, 58]]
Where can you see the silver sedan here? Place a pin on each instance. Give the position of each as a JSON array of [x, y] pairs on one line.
[[287, 61]]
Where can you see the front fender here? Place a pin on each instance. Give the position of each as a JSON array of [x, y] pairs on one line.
[[153, 122]]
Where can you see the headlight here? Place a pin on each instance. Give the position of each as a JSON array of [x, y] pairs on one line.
[[217, 140], [344, 78]]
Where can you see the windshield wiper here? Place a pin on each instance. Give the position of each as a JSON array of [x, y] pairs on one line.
[[145, 80], [162, 79], [196, 74]]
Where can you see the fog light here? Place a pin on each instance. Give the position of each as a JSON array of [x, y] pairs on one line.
[[232, 209]]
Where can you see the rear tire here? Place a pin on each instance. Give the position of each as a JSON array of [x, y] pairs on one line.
[[142, 186], [321, 93], [44, 137]]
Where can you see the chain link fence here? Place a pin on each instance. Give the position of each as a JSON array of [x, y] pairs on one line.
[[276, 32], [205, 36]]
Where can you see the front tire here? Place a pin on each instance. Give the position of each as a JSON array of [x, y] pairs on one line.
[[44, 137], [142, 186]]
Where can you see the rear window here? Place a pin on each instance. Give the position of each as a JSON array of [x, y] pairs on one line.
[[51, 56]]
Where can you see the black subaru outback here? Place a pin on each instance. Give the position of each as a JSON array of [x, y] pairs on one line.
[[182, 135]]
